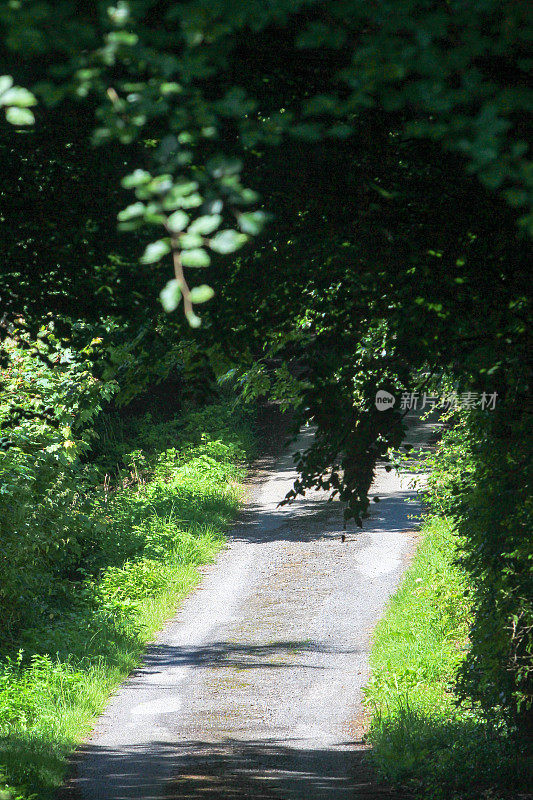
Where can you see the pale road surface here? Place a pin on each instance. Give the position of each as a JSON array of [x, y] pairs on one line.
[[254, 689]]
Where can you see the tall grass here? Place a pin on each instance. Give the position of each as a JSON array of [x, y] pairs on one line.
[[154, 530], [420, 735]]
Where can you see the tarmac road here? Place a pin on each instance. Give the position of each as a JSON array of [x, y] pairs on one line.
[[254, 689]]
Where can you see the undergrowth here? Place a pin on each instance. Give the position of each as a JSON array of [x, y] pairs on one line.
[[159, 515], [421, 734]]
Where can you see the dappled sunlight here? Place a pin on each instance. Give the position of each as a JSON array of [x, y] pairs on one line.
[[268, 769], [223, 654]]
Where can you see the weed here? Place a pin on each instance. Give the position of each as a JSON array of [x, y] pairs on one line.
[[149, 535], [420, 733]]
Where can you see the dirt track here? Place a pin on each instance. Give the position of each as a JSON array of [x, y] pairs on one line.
[[254, 689]]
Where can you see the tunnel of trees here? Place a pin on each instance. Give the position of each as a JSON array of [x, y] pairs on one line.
[[315, 201]]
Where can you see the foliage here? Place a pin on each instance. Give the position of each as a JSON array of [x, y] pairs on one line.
[[16, 101], [44, 506], [193, 122], [118, 567], [421, 735], [440, 65], [481, 481], [415, 114]]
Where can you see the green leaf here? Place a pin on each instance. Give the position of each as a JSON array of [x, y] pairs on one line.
[[192, 201], [177, 221], [153, 215], [170, 88], [206, 224], [6, 82], [170, 296], [160, 184], [195, 258], [201, 294], [252, 222], [248, 196], [155, 251], [227, 241], [138, 178], [135, 210], [19, 116], [123, 37], [19, 97], [193, 320], [189, 240], [176, 195], [133, 225], [186, 187], [119, 14]]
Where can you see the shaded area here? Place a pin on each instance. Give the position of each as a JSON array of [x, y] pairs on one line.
[[231, 654], [315, 518], [267, 769], [470, 758]]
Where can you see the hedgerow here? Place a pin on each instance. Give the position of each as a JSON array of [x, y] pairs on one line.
[[93, 561]]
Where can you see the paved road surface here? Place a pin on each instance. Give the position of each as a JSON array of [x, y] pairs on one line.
[[254, 689]]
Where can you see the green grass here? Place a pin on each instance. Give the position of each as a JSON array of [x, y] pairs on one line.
[[420, 735], [153, 534]]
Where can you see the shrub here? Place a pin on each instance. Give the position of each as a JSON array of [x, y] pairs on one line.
[[481, 480], [421, 734]]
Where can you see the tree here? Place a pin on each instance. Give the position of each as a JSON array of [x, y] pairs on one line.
[[413, 113]]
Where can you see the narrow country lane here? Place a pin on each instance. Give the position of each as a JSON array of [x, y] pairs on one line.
[[254, 689]]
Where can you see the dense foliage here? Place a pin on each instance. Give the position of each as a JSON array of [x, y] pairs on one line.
[[194, 92], [481, 480], [104, 527], [422, 735], [61, 512], [382, 150]]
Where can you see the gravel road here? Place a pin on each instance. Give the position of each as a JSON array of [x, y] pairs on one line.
[[254, 689]]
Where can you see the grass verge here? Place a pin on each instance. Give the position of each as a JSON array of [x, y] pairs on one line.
[[421, 737], [154, 530]]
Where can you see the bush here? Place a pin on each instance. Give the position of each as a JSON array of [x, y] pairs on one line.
[[421, 733], [481, 480], [96, 569], [45, 490]]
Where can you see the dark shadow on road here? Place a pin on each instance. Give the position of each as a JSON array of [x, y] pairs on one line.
[[308, 519], [268, 769], [158, 657]]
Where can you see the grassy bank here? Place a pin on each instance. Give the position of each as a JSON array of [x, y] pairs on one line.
[[419, 734], [154, 523]]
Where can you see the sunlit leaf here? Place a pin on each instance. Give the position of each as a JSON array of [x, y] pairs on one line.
[[6, 82], [19, 97], [205, 225], [189, 240], [201, 294], [252, 222], [19, 116], [197, 257], [177, 221], [135, 210], [227, 241], [155, 251], [138, 178], [170, 296]]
